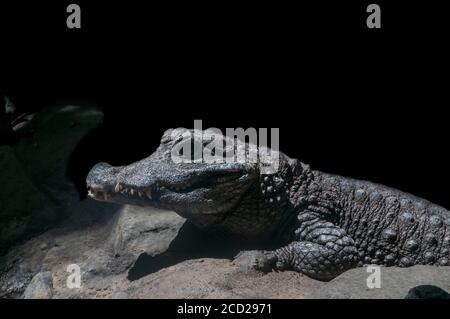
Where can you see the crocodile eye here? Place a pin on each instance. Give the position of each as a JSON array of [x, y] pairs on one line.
[[165, 140]]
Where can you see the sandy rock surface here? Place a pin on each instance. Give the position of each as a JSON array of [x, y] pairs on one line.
[[107, 251], [395, 283]]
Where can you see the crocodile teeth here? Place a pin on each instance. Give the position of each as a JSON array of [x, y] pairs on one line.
[[140, 193], [117, 187], [132, 192], [149, 194]]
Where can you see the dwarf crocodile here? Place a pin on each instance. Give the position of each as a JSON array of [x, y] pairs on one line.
[[322, 224]]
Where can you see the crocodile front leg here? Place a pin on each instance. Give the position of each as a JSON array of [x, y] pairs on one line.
[[322, 252], [318, 261]]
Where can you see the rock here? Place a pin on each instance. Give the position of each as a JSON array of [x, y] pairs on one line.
[[144, 230], [220, 278], [6, 132], [47, 142], [120, 295], [24, 209], [81, 237], [10, 108], [35, 192], [427, 292], [40, 286], [395, 283], [103, 239], [196, 278], [20, 127], [103, 264], [15, 275]]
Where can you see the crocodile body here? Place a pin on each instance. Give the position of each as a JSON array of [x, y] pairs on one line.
[[322, 224]]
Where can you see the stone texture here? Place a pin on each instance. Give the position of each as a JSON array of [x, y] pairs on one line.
[[106, 245], [40, 286], [219, 278], [395, 283], [142, 230]]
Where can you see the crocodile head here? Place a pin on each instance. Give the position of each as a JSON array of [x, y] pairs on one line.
[[205, 193]]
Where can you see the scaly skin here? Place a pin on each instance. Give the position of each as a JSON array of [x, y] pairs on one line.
[[323, 224]]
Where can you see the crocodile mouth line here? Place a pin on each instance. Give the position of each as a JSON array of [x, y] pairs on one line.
[[151, 192]]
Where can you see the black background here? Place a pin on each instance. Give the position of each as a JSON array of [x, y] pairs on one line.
[[370, 104]]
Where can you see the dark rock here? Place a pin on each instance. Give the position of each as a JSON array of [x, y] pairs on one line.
[[6, 131], [24, 210], [47, 143], [427, 292]]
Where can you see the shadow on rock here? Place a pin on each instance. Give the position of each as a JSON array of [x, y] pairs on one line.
[[190, 243]]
